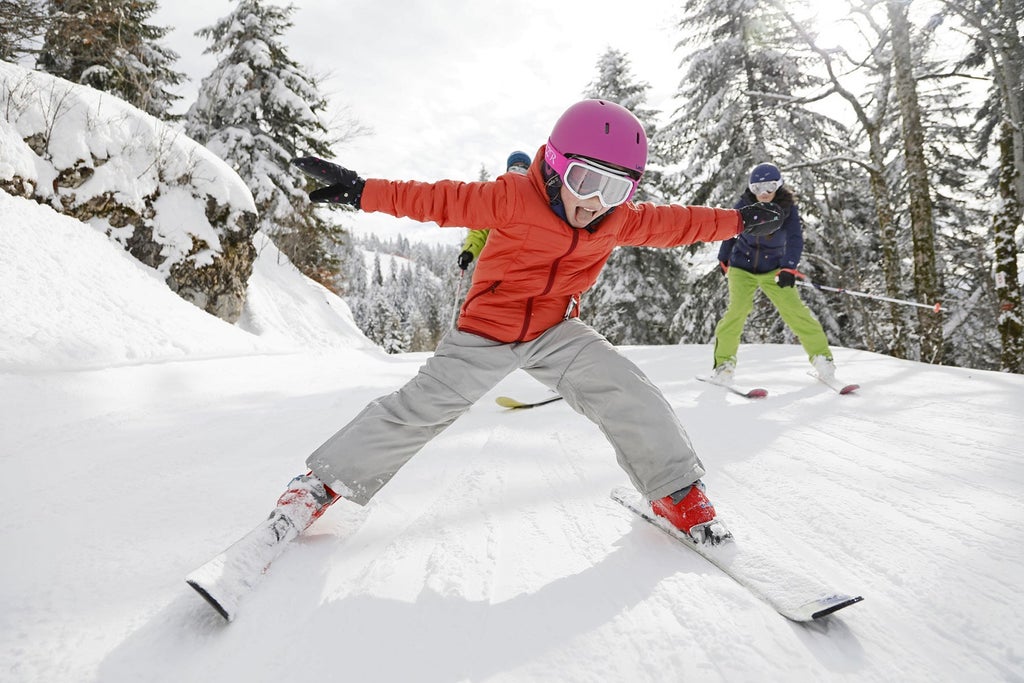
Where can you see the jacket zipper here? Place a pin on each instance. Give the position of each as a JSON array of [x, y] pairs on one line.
[[490, 290], [551, 282]]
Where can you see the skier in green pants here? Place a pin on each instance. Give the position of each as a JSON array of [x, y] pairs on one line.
[[767, 263]]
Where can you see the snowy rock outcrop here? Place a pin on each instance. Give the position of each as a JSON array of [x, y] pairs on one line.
[[166, 199]]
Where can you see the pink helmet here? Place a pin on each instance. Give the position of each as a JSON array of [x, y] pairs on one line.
[[603, 131]]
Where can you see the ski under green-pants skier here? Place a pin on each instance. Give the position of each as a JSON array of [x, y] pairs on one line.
[[743, 285]]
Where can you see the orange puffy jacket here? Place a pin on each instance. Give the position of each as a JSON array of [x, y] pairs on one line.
[[535, 266]]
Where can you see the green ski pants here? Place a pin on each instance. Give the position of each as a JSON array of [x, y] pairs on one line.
[[743, 286]]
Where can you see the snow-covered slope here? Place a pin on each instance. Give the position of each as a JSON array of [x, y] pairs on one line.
[[136, 445], [73, 299], [284, 307]]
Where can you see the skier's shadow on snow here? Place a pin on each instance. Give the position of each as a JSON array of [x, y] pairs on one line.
[[435, 639], [439, 638], [442, 638], [448, 638]]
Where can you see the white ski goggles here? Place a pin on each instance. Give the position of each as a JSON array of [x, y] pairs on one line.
[[765, 187], [586, 179]]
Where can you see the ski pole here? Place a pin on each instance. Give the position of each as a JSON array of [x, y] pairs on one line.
[[804, 282], [458, 297]]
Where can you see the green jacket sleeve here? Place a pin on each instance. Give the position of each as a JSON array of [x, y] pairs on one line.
[[475, 241]]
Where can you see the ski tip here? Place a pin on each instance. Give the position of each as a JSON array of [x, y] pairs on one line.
[[210, 599], [849, 389], [506, 402], [757, 393], [836, 605]]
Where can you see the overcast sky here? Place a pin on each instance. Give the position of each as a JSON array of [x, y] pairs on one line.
[[445, 86]]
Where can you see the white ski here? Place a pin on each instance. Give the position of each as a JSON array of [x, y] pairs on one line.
[[225, 579], [746, 393], [792, 594], [834, 383]]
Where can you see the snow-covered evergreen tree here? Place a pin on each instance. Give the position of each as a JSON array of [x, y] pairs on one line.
[[401, 294], [636, 294], [615, 82], [736, 97], [257, 110], [108, 45]]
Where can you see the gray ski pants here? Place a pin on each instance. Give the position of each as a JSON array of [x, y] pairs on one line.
[[571, 358]]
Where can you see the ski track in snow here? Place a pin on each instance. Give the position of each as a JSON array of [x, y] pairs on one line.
[[496, 554]]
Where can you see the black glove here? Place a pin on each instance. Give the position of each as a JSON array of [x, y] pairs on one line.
[[785, 278], [343, 185], [762, 218], [465, 258]]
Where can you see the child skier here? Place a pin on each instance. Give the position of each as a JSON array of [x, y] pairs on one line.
[[551, 232]]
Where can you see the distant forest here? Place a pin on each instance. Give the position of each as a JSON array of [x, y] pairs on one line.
[[904, 146]]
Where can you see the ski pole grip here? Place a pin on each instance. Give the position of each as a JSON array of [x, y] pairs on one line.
[[793, 274]]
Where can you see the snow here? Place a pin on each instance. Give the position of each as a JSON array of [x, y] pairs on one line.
[[141, 436], [74, 299]]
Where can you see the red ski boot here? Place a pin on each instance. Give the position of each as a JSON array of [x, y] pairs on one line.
[[689, 510], [305, 500]]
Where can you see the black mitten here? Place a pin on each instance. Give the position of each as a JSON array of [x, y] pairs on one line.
[[786, 278], [344, 186]]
